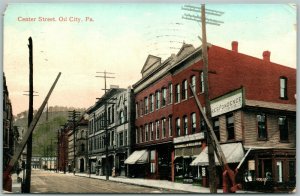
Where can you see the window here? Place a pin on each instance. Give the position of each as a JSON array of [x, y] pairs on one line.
[[164, 97], [136, 110], [151, 131], [170, 126], [152, 161], [178, 127], [157, 97], [185, 125], [157, 130], [177, 95], [125, 138], [292, 171], [164, 131], [121, 139], [109, 115], [262, 126], [146, 105], [112, 138], [202, 125], [230, 127], [112, 114], [201, 82], [141, 134], [193, 84], [193, 123], [137, 135], [170, 93], [216, 128], [283, 128], [283, 87], [146, 133], [121, 117], [184, 89], [151, 103], [141, 108]]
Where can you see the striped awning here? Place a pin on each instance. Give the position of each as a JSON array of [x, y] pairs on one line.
[[137, 157], [233, 152]]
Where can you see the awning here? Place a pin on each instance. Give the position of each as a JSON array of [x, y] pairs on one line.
[[137, 157], [94, 157], [233, 152]]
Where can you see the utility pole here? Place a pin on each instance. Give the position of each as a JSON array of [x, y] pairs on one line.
[[58, 148], [211, 157], [30, 117], [73, 115], [105, 121]]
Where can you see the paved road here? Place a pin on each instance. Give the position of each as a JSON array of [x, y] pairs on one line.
[[49, 182]]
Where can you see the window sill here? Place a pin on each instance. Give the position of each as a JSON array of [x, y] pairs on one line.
[[284, 141], [262, 139]]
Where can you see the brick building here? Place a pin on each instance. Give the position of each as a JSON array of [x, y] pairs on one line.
[[260, 114]]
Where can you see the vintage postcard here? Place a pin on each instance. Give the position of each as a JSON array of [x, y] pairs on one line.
[[149, 98]]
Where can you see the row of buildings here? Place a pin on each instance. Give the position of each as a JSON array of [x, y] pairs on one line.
[[154, 128]]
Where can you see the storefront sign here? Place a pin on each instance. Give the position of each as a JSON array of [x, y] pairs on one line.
[[227, 103], [203, 171]]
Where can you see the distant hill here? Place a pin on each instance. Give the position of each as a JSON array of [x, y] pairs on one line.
[[46, 129]]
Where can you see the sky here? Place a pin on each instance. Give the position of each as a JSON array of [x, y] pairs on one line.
[[118, 37]]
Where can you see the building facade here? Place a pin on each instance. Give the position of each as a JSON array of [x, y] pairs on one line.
[[115, 106], [81, 144]]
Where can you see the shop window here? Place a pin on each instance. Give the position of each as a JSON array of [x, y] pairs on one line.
[[152, 162], [262, 126], [170, 125], [178, 127], [146, 133], [279, 170], [177, 95], [292, 171], [170, 93], [164, 97], [146, 105], [184, 89], [157, 97], [193, 84], [201, 82], [283, 87], [151, 103], [265, 168], [216, 128], [157, 129], [230, 127], [193, 123], [164, 131], [283, 128], [185, 125]]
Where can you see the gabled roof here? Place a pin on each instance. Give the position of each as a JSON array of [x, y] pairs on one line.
[[151, 63]]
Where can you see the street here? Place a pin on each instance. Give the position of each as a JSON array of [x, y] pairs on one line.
[[50, 182]]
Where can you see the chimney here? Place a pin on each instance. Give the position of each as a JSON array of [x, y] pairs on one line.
[[266, 55], [234, 46]]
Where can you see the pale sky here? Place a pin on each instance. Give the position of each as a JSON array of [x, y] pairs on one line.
[[119, 40]]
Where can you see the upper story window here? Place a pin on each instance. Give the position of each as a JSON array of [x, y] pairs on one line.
[[136, 135], [170, 125], [146, 133], [146, 105], [151, 131], [121, 139], [141, 108], [178, 131], [109, 115], [157, 130], [164, 130], [185, 125], [283, 87], [177, 93], [184, 89], [193, 123], [112, 138], [157, 97], [202, 125], [125, 138], [151, 103], [170, 93], [136, 110], [283, 128], [262, 126], [141, 134], [122, 119], [201, 82], [112, 114], [193, 84], [164, 97], [230, 126], [216, 128]]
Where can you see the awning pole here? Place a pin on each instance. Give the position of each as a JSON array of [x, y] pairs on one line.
[[243, 159]]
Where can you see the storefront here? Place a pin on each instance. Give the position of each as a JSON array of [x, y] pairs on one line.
[[271, 170], [137, 162]]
